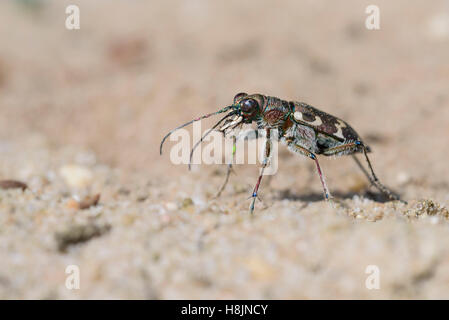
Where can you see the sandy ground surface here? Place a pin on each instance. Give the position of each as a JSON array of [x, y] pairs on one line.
[[83, 112]]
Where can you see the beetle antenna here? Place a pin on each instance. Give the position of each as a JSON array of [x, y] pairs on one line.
[[206, 134], [190, 122]]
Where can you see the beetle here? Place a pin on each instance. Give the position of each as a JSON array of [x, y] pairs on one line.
[[304, 129]]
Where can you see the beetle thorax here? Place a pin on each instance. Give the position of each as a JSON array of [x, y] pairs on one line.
[[274, 113]]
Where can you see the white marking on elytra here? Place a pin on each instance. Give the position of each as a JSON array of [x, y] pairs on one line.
[[317, 122], [340, 125]]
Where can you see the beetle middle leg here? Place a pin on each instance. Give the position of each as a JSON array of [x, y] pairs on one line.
[[295, 147]]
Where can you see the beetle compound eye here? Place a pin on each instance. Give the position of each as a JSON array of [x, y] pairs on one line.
[[238, 96], [248, 106]]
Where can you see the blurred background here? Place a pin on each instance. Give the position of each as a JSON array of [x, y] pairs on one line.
[[136, 69]]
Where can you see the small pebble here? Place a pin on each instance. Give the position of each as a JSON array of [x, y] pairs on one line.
[[12, 184], [86, 203], [76, 176]]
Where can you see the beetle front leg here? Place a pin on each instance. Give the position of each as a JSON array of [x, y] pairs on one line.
[[247, 135], [229, 169], [264, 165]]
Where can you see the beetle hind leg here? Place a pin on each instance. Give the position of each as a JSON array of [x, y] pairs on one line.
[[344, 149], [357, 146], [374, 180]]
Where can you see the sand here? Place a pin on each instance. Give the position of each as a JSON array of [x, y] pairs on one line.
[[83, 112]]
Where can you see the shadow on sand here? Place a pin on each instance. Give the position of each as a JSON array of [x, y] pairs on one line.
[[318, 196]]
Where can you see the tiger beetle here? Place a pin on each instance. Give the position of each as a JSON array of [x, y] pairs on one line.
[[302, 128]]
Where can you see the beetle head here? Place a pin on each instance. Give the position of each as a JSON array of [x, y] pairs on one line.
[[249, 106]]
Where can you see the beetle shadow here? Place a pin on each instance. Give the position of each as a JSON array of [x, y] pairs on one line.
[[318, 196]]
